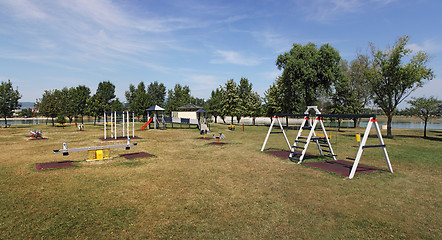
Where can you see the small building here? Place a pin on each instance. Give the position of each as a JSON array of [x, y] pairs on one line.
[[187, 111]]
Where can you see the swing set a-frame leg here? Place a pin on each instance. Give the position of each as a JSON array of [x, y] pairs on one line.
[[362, 145]]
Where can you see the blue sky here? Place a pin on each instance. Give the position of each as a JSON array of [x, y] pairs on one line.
[[52, 44]]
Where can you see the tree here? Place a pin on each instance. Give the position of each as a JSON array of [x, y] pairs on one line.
[[50, 104], [230, 101], [424, 108], [391, 80], [213, 105], [68, 103], [157, 92], [307, 71], [117, 106], [255, 106], [177, 97], [8, 100], [245, 98], [80, 97], [273, 99], [344, 100], [95, 107], [105, 94]]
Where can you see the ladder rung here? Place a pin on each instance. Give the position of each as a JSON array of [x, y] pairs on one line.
[[303, 137], [308, 128], [323, 145], [325, 150], [297, 153], [297, 147], [300, 141], [373, 146]]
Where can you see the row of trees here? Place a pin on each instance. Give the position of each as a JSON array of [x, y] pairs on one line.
[[311, 74], [235, 101], [77, 101]]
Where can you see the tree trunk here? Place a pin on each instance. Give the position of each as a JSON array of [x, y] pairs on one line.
[[53, 124], [216, 118], [339, 125], [6, 122], [95, 120], [231, 120], [81, 119], [254, 121], [425, 128], [389, 120]]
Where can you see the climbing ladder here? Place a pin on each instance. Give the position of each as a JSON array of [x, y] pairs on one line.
[[299, 147]]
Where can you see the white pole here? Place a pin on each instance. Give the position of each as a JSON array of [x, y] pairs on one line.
[[133, 124], [384, 149], [127, 123], [361, 149], [104, 125], [112, 124], [268, 133], [115, 118], [123, 125]]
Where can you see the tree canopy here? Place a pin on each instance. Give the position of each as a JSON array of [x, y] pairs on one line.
[[307, 70], [392, 80], [8, 100], [425, 108]]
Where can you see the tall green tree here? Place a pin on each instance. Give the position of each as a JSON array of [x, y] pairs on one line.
[[254, 104], [8, 100], [50, 104], [230, 101], [95, 107], [425, 108], [142, 100], [213, 105], [157, 92], [245, 98], [177, 97], [67, 99], [307, 71], [105, 94], [80, 97], [392, 80], [273, 99]]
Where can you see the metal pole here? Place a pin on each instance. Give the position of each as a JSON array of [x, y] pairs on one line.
[[133, 124], [361, 149], [104, 125], [112, 124], [268, 133], [115, 118], [123, 125]]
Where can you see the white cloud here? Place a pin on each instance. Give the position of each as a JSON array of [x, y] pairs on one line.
[[232, 57], [427, 46], [328, 10]]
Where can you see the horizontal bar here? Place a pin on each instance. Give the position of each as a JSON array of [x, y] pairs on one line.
[[346, 115], [373, 146], [291, 115], [93, 148], [275, 132]]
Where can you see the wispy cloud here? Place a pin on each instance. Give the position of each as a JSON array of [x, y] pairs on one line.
[[329, 10], [232, 57], [428, 45]]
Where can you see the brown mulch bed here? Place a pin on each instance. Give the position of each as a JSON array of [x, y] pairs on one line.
[[52, 165], [340, 167], [217, 143], [136, 155]]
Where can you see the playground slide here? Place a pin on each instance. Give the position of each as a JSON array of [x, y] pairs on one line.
[[145, 125]]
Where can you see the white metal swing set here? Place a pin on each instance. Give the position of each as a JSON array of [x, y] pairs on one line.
[[299, 148]]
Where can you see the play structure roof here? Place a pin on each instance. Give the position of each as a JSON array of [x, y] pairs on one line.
[[156, 108], [201, 111], [189, 107]]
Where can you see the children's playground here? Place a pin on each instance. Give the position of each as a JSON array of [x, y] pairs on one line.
[[213, 182]]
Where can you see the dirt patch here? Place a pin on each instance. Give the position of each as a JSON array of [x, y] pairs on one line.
[[52, 165]]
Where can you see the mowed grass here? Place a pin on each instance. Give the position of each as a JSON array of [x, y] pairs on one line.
[[193, 190]]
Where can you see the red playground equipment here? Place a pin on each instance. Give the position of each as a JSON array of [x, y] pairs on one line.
[[145, 125]]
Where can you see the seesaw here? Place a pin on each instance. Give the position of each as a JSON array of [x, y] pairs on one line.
[[95, 153]]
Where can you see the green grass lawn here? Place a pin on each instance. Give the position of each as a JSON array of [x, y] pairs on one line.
[[193, 190]]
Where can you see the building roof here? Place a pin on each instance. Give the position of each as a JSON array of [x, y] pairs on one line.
[[189, 107], [156, 108]]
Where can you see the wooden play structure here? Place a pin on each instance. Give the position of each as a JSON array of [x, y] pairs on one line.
[[313, 123]]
